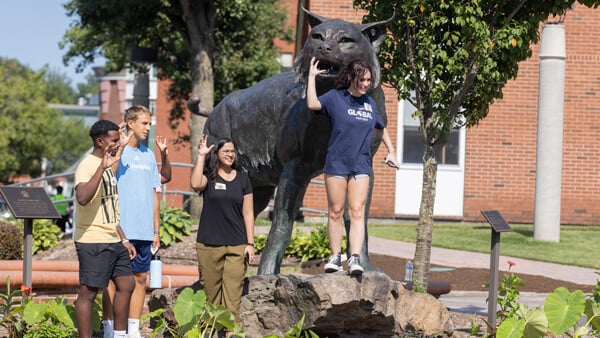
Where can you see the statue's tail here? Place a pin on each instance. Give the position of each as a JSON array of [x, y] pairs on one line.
[[193, 104]]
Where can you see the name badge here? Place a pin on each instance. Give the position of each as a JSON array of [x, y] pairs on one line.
[[368, 107], [220, 186]]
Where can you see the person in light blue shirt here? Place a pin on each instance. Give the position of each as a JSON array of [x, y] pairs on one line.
[[140, 182]]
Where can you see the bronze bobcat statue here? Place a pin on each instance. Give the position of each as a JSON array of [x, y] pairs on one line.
[[280, 142]]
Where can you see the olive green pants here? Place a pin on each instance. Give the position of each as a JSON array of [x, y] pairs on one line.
[[222, 270]]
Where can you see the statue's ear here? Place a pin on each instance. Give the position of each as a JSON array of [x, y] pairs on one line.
[[313, 19], [375, 31]]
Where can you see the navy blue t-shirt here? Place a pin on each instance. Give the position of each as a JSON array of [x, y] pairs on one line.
[[222, 220], [352, 122]]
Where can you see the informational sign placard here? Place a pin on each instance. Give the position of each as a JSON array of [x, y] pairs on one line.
[[29, 202], [496, 220]]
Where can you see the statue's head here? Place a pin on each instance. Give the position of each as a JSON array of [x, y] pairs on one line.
[[337, 42]]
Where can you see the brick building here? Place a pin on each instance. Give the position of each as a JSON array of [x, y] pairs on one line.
[[492, 165]]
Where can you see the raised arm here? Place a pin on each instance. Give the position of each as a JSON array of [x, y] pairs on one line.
[[311, 87], [198, 180], [165, 168]]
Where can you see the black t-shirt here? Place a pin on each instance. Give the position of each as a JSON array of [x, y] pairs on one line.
[[222, 222]]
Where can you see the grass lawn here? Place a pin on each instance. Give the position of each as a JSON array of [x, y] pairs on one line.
[[576, 247]]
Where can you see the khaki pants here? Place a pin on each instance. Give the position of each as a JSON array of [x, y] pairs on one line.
[[222, 270]]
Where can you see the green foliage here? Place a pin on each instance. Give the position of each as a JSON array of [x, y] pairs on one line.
[[508, 294], [59, 89], [27, 125], [55, 318], [561, 314], [198, 318], [46, 235], [29, 129], [11, 242], [306, 246], [11, 306], [24, 317], [175, 223], [241, 42]]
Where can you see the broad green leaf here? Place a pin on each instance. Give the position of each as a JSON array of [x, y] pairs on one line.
[[536, 323], [592, 312], [563, 309], [511, 328], [34, 312], [59, 311]]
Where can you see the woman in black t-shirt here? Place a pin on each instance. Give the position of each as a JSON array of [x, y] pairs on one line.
[[225, 241]]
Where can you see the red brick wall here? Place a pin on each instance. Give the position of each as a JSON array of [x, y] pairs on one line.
[[500, 157], [178, 152]]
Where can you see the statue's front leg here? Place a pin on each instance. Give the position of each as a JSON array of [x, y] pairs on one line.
[[290, 192]]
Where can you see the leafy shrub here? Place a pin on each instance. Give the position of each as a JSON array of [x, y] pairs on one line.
[[11, 242], [21, 316], [175, 223], [306, 246], [46, 235]]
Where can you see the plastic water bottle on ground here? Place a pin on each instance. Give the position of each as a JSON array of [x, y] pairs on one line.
[[408, 271]]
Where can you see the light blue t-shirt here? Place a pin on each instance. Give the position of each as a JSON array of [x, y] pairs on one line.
[[137, 180]]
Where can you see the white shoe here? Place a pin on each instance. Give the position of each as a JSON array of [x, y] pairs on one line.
[[134, 335], [354, 267], [334, 264]]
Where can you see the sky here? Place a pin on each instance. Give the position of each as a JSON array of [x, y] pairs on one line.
[[30, 31]]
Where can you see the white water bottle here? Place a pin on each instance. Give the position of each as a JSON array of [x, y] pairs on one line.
[[408, 271], [155, 273]]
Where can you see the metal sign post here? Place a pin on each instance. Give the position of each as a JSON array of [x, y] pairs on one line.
[[28, 203], [499, 225]]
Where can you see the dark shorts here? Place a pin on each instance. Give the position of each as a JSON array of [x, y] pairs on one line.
[[100, 262], [141, 263]]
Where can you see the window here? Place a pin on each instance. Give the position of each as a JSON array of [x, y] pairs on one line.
[[412, 150]]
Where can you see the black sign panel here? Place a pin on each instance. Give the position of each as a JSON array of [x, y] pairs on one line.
[[29, 202], [496, 220]]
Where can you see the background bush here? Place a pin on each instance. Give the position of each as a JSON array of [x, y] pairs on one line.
[[11, 242], [175, 223]]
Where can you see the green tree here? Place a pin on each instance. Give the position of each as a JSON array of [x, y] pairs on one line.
[[206, 47], [89, 87], [58, 87], [451, 60], [29, 129], [27, 125]]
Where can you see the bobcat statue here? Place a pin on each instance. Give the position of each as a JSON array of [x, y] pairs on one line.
[[280, 142]]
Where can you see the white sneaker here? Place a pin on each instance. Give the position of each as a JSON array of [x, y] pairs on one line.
[[354, 267], [334, 264]]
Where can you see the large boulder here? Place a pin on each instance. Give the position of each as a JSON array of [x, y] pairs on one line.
[[337, 305], [334, 305]]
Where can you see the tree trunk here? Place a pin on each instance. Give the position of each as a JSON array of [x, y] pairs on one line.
[[200, 21], [425, 225]]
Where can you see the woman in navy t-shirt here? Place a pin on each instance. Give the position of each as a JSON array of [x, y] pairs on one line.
[[353, 116]]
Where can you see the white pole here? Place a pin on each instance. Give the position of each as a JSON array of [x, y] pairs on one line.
[[550, 133]]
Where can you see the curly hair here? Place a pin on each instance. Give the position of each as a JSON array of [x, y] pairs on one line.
[[351, 73], [212, 160]]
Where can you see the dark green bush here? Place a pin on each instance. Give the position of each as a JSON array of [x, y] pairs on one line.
[[11, 242]]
